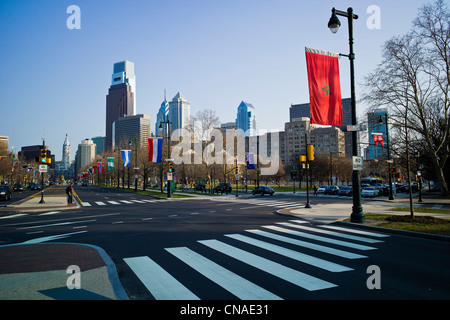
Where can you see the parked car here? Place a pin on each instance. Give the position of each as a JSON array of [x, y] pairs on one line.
[[200, 187], [369, 192], [184, 187], [5, 192], [321, 189], [345, 191], [331, 190], [223, 187], [18, 187], [263, 190]]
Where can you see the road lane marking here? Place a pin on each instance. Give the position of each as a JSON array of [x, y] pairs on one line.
[[113, 202], [100, 203], [233, 283], [305, 258], [85, 204], [158, 281], [296, 277], [55, 224], [49, 213], [126, 201], [50, 238], [14, 216]]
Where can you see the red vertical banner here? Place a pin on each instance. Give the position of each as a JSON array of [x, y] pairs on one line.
[[324, 87]]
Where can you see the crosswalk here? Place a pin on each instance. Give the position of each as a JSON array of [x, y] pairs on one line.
[[334, 249], [266, 203], [118, 202]]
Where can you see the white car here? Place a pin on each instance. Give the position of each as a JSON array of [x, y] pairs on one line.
[[321, 189], [369, 192]]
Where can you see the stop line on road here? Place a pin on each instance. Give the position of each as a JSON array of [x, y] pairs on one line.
[[166, 286]]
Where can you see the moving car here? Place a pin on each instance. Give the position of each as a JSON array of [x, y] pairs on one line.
[[223, 187], [345, 191], [369, 192], [263, 190], [18, 187], [5, 192]]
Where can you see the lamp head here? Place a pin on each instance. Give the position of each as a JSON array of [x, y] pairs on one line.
[[334, 22]]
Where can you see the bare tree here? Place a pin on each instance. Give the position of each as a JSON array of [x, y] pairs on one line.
[[414, 80]]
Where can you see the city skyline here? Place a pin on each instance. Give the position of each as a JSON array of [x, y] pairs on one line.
[[224, 54]]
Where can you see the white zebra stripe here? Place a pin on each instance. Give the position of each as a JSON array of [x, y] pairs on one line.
[[158, 281], [235, 284], [296, 277]]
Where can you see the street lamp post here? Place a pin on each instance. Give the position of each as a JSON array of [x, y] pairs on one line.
[[385, 117], [357, 215], [168, 151]]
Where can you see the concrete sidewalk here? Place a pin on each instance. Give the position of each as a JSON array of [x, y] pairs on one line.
[[31, 204], [328, 213], [40, 272]]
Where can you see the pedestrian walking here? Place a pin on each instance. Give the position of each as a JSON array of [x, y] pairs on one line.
[[315, 190], [69, 192]]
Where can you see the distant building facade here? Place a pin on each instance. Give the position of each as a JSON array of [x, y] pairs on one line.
[[377, 151], [128, 128]]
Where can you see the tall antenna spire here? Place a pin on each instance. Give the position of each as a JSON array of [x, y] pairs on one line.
[[164, 94]]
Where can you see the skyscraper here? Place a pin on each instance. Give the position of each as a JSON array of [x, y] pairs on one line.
[[162, 116], [124, 73], [246, 119], [121, 99], [179, 112]]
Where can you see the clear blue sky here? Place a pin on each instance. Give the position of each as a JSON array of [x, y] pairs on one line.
[[216, 53]]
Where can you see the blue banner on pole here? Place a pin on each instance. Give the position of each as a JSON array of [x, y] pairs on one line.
[[126, 157]]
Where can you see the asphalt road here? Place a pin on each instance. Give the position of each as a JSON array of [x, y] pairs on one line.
[[227, 248]]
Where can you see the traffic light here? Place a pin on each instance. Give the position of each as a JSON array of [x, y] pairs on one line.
[[170, 167], [236, 169], [310, 152], [43, 159], [302, 158]]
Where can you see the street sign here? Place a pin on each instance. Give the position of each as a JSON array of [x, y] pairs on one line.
[[169, 176], [43, 168], [358, 163], [237, 176]]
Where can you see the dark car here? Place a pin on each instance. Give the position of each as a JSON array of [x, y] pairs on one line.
[[200, 187], [5, 192], [263, 190], [18, 187], [223, 187], [345, 191], [331, 190]]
